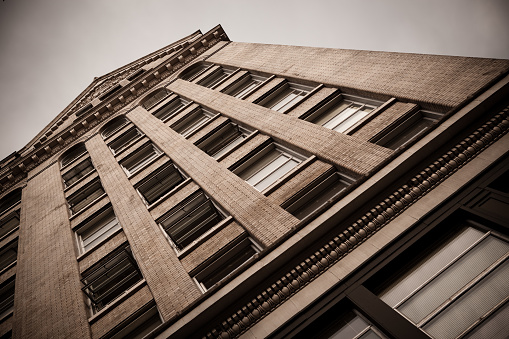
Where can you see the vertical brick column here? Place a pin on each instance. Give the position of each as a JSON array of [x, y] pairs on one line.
[[48, 299], [264, 220], [172, 288]]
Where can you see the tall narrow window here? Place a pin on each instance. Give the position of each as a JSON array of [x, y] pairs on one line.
[[246, 86], [7, 297], [9, 223], [190, 219], [10, 200], [171, 109], [114, 125], [125, 140], [155, 98], [77, 172], [97, 228], [218, 76], [222, 141], [139, 324], [159, 183], [286, 97], [110, 278], [8, 254], [194, 71], [72, 154], [140, 158], [85, 196], [192, 122], [267, 166]]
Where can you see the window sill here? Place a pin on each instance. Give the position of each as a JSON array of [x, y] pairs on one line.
[[85, 254], [128, 293]]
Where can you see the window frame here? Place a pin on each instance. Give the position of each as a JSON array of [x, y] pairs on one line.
[[157, 98], [10, 200], [113, 126], [85, 191], [221, 142], [7, 263], [4, 221], [280, 94], [242, 88], [144, 162], [128, 142], [217, 77], [170, 110], [6, 298], [152, 176], [196, 70], [191, 122], [83, 176], [72, 154], [136, 321]]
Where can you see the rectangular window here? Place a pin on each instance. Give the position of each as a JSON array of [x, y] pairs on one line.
[[246, 86], [140, 158], [340, 114], [190, 219], [459, 281], [110, 278], [192, 122], [171, 109], [159, 183], [406, 131], [218, 76], [268, 165], [97, 228], [7, 298], [155, 99], [226, 262], [223, 140], [8, 255], [138, 325], [125, 140], [10, 200], [9, 223], [321, 192], [77, 172], [286, 97], [85, 196]]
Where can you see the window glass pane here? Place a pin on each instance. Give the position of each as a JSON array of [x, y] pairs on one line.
[[8, 255], [269, 167], [98, 229], [271, 178], [9, 223], [284, 101], [352, 119], [229, 146], [496, 326], [7, 298], [331, 113], [140, 158], [78, 172], [160, 183], [155, 98], [113, 126], [74, 153], [409, 133], [125, 140], [170, 109], [345, 113]]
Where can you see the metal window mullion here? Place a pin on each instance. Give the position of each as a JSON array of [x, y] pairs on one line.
[[270, 173], [187, 213], [106, 262], [106, 271], [342, 121], [117, 285], [198, 227]]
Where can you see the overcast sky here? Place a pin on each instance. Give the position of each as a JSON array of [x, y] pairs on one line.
[[52, 49]]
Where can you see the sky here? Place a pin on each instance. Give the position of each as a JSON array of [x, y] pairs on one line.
[[50, 50]]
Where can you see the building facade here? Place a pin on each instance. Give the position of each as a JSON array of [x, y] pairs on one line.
[[215, 189]]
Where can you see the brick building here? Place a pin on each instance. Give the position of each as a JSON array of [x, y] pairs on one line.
[[223, 189]]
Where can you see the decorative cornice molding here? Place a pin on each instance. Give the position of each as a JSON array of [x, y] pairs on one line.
[[18, 170], [358, 232]]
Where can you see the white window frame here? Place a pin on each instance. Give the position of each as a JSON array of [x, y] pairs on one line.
[[286, 97], [245, 86], [100, 227], [125, 140], [225, 139], [171, 108], [140, 158], [193, 121], [217, 77]]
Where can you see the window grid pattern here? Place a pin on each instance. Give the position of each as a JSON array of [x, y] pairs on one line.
[[216, 77], [85, 196], [192, 122], [114, 125], [287, 97], [160, 183], [7, 298], [9, 223], [247, 86], [8, 255], [224, 140], [72, 154], [98, 228], [171, 109], [155, 98], [343, 115], [140, 158], [77, 172]]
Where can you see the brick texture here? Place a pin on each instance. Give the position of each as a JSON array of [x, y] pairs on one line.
[[435, 81], [345, 151], [266, 222], [48, 301], [170, 284]]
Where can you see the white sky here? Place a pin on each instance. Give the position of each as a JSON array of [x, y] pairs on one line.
[[50, 50]]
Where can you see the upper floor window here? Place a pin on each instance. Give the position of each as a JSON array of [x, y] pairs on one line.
[[125, 140], [9, 200], [191, 219], [7, 297], [97, 228], [171, 109], [157, 184], [246, 86], [72, 154], [9, 223], [216, 77], [85, 196], [140, 158], [268, 165], [8, 254], [110, 278], [223, 140], [137, 326], [192, 122], [114, 125], [340, 114], [155, 98], [286, 96], [194, 71], [77, 172]]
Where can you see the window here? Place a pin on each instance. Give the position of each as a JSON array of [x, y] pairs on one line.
[[223, 140], [8, 255], [110, 92], [125, 140], [246, 86], [155, 98], [114, 125], [225, 262], [139, 324], [110, 278], [77, 172], [72, 154], [159, 183], [194, 71], [9, 223], [190, 219], [216, 77], [286, 97], [450, 288], [7, 298], [321, 192], [10, 200], [403, 133], [97, 228], [140, 158], [340, 114], [192, 122], [171, 109], [268, 165], [85, 196]]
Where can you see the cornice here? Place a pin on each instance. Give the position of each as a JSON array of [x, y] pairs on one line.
[[337, 247], [49, 146]]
